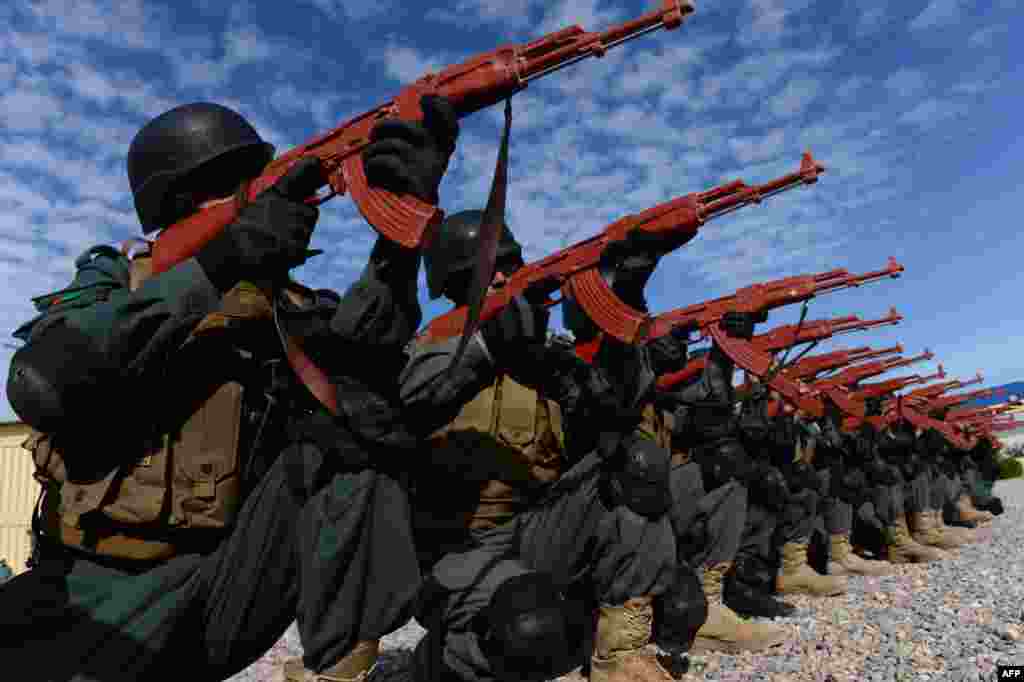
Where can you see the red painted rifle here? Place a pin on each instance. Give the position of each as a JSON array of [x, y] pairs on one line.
[[949, 401], [681, 216], [809, 369], [477, 83], [918, 396], [881, 389], [786, 336]]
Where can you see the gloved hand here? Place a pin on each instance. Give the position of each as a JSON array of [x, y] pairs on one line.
[[519, 325], [740, 325], [767, 486], [804, 477], [850, 486], [408, 157], [668, 353], [270, 235], [638, 478], [883, 473], [833, 438]]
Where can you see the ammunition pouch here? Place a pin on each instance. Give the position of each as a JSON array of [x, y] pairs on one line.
[[147, 507]]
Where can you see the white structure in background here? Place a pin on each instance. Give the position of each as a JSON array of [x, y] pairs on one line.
[[18, 493]]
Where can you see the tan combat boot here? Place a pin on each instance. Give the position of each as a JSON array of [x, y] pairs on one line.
[[903, 550], [966, 536], [927, 532], [356, 666], [797, 577], [842, 560], [724, 630], [621, 653], [967, 512]]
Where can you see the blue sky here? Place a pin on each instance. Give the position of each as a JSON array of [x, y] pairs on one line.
[[913, 106]]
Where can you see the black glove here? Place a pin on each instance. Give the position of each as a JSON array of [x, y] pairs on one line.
[[804, 477], [668, 353], [768, 487], [270, 235], [740, 325], [638, 478], [850, 486], [518, 326], [408, 157]]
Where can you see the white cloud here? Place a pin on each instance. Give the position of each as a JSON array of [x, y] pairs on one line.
[[37, 48], [512, 15], [795, 97], [745, 84], [976, 87], [851, 87], [749, 150], [938, 13], [355, 10], [406, 64], [907, 83], [25, 111], [564, 13], [127, 23], [986, 37], [769, 21], [931, 112], [871, 20]]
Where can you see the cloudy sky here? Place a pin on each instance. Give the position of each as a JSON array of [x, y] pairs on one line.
[[913, 106]]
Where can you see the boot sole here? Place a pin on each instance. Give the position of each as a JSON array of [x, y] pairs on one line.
[[809, 593], [852, 572], [704, 645]]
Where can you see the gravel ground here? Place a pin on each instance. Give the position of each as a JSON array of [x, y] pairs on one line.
[[950, 621]]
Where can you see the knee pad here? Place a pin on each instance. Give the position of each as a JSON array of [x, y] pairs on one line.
[[641, 481], [54, 380], [680, 612], [530, 631]]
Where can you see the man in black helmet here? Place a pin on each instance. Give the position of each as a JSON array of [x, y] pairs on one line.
[[197, 499], [711, 499], [523, 522]]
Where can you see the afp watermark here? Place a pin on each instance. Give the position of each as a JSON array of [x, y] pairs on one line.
[[1010, 672]]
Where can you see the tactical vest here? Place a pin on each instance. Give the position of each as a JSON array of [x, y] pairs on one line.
[[181, 481], [492, 461], [497, 456]]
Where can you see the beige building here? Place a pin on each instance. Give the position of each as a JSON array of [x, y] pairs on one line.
[[18, 493]]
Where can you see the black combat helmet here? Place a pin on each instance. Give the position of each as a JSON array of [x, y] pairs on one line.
[[199, 149], [452, 254]]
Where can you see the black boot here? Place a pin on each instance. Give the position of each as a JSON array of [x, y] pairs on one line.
[[748, 599], [951, 518], [993, 504], [748, 602]]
